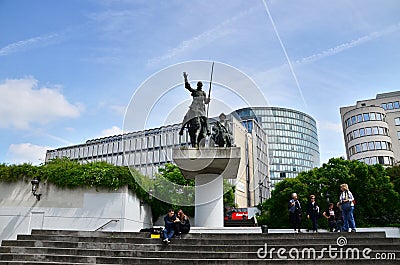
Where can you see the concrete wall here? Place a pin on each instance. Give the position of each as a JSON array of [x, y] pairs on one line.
[[70, 209]]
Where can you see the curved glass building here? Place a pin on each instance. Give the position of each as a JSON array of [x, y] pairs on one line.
[[292, 139]]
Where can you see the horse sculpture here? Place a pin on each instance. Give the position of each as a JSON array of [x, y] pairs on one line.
[[198, 130]]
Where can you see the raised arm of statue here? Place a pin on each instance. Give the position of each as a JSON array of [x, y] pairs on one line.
[[187, 85]]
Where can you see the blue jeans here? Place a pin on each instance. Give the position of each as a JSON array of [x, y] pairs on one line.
[[348, 219], [169, 233]]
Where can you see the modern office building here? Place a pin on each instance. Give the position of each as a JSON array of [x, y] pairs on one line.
[[371, 129], [292, 139], [150, 149]]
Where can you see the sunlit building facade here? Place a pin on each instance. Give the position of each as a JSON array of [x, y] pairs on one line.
[[371, 129]]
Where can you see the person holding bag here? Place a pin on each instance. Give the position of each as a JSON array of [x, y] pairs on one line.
[[347, 203]]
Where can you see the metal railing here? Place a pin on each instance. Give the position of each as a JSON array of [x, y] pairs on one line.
[[109, 222]]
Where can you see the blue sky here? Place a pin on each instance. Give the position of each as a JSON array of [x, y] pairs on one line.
[[68, 69]]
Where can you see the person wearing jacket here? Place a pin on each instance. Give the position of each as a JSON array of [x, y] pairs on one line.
[[313, 213]]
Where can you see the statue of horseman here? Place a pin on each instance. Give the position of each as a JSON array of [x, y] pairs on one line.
[[196, 119]]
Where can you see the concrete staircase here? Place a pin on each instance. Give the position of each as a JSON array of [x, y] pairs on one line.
[[78, 247]]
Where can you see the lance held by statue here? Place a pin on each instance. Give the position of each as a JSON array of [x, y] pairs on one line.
[[196, 118]]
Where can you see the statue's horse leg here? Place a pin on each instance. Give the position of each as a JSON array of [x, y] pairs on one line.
[[193, 127]]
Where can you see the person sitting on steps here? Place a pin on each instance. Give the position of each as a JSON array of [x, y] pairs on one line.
[[183, 226], [169, 223]]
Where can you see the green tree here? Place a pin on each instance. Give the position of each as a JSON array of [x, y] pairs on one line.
[[394, 174], [377, 200]]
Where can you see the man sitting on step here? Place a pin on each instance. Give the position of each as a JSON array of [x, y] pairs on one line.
[[169, 220]]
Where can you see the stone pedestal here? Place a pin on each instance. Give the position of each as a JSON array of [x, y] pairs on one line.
[[209, 208], [208, 167]]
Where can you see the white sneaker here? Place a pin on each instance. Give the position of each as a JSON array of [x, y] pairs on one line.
[[166, 240]]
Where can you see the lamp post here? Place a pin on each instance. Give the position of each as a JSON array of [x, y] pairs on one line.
[[35, 185]]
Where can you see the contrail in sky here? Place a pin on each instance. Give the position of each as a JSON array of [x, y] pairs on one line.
[[348, 45], [27, 43], [285, 52]]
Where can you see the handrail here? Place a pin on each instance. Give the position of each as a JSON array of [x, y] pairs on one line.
[[109, 222]]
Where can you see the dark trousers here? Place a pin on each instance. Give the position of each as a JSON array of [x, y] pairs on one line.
[[295, 220], [335, 225], [181, 229], [314, 221]]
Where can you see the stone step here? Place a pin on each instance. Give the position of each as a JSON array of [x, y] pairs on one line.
[[79, 247], [208, 235], [34, 259], [213, 241], [220, 262], [31, 246], [163, 252]]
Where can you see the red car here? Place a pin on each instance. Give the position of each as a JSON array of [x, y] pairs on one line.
[[236, 214]]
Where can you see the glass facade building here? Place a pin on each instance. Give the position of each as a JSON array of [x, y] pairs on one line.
[[292, 139]]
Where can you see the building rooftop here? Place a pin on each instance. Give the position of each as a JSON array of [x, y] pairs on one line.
[[388, 95]]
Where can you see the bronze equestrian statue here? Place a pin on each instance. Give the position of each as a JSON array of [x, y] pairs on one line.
[[196, 119]]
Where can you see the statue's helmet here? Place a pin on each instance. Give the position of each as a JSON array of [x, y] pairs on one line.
[[199, 85], [222, 116]]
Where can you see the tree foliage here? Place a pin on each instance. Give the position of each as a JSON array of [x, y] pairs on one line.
[[394, 174], [377, 201]]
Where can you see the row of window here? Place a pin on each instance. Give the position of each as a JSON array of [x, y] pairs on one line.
[[391, 105], [383, 160], [271, 127], [289, 147], [293, 134], [288, 161], [370, 146], [140, 143], [279, 153], [285, 120], [367, 132], [372, 116], [294, 141], [285, 113], [301, 166]]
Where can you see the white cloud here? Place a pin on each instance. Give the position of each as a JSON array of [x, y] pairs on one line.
[[115, 130], [26, 153], [24, 103], [28, 43]]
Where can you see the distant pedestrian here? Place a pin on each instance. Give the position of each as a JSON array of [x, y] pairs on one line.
[[347, 203], [313, 213], [294, 207]]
